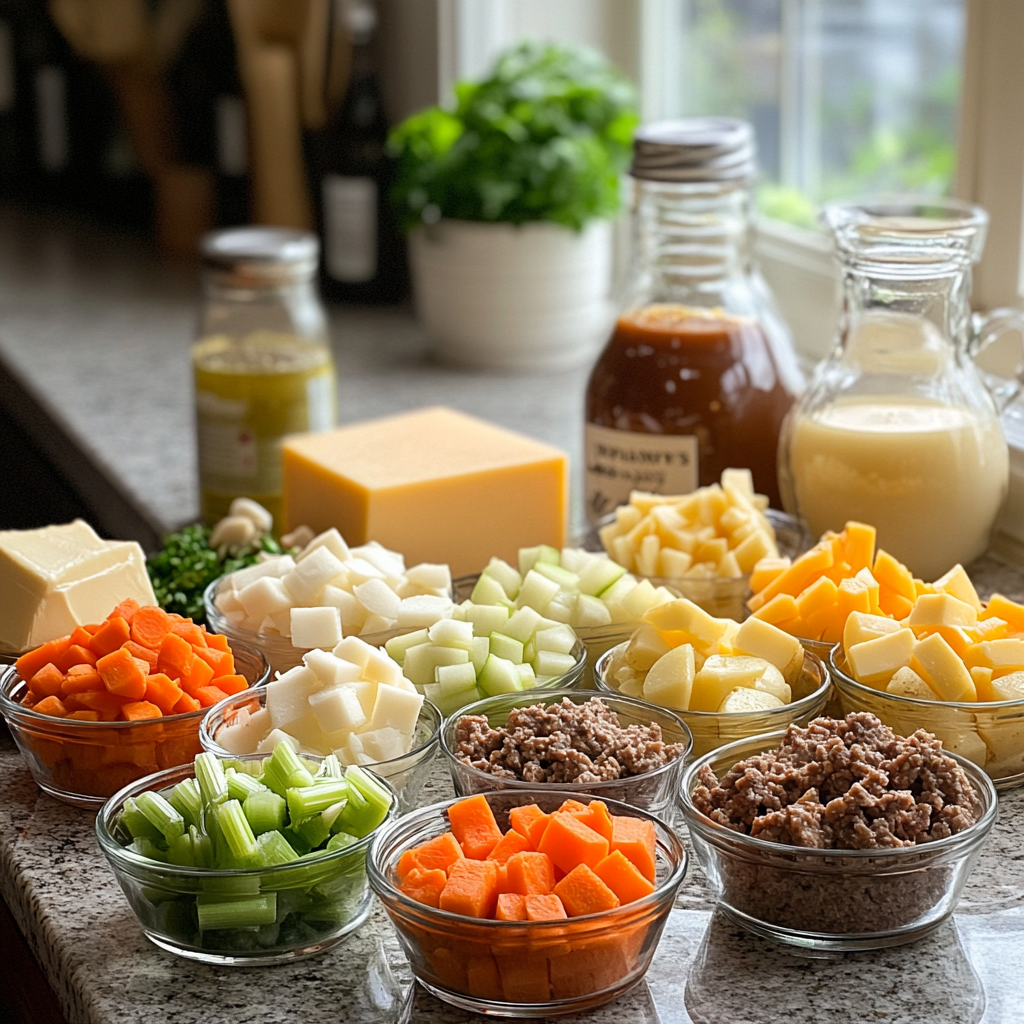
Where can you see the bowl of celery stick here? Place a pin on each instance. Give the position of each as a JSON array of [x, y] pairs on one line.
[[246, 860]]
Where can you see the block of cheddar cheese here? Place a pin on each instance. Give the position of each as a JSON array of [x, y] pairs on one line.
[[435, 484]]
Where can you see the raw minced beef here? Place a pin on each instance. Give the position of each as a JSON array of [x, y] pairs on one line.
[[847, 784], [564, 742]]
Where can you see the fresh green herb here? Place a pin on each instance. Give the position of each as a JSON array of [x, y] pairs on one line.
[[186, 565], [545, 137]]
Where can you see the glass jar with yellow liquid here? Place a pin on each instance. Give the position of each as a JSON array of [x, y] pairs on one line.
[[262, 363]]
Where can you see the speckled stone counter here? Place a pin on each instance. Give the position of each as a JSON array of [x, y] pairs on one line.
[[94, 329]]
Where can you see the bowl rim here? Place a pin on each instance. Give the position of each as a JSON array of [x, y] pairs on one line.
[[799, 706], [209, 743], [983, 787], [840, 674], [385, 890], [13, 711], [126, 859], [550, 696]]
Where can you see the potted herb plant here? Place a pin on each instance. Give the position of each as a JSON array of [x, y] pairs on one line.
[[507, 200]]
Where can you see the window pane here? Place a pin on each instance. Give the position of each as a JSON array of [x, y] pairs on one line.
[[846, 96]]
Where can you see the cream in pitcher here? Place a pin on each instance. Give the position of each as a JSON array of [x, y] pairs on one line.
[[897, 429]]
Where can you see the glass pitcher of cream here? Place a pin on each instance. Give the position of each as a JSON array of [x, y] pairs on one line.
[[896, 428]]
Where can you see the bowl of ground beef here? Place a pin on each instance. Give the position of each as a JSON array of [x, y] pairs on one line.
[[576, 741], [839, 836]]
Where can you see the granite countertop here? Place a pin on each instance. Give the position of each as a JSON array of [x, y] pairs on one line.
[[94, 332]]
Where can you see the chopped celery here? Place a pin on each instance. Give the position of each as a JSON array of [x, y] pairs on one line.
[[241, 785], [202, 848], [297, 843], [265, 811], [339, 841], [187, 800], [286, 765], [378, 799], [137, 824], [162, 815], [330, 768], [316, 798], [215, 913], [147, 848], [275, 849], [213, 784], [235, 828], [330, 815], [180, 852], [313, 830]]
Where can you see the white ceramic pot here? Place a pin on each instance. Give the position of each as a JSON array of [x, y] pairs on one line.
[[525, 297]]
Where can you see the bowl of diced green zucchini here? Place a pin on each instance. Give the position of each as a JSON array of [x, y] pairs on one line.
[[246, 860]]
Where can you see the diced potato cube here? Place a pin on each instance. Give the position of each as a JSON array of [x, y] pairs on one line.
[[670, 680], [907, 683], [315, 627], [746, 699], [875, 662], [941, 668]]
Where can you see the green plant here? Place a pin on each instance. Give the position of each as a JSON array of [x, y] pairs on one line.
[[545, 137]]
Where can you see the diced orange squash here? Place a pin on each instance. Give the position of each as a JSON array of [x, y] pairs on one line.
[[76, 654], [472, 822], [217, 641], [139, 711], [582, 892], [471, 888], [511, 907], [568, 842], [80, 682], [637, 840], [544, 908], [483, 978], [209, 695], [425, 886], [230, 684], [51, 706], [198, 677], [520, 818], [530, 872], [48, 681], [440, 852], [186, 705], [598, 818], [221, 662], [84, 716], [623, 878], [510, 843]]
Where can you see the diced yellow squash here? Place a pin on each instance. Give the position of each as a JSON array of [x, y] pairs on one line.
[[739, 480], [875, 662], [893, 604], [997, 654], [807, 568], [958, 584], [923, 588], [744, 699], [821, 594], [1008, 687], [1003, 608], [733, 518], [647, 555], [670, 680], [719, 675], [752, 550], [772, 682], [685, 617], [982, 677], [852, 596], [673, 563], [763, 640], [645, 647], [907, 683], [894, 574], [959, 639], [859, 545], [861, 626], [988, 629], [941, 668], [728, 567], [942, 610], [645, 501]]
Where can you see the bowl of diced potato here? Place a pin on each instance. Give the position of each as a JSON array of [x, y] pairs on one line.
[[724, 679]]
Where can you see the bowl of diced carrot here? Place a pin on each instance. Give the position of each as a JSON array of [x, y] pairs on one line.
[[526, 904], [115, 701]]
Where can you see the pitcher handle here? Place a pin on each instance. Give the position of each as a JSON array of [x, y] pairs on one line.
[[986, 328]]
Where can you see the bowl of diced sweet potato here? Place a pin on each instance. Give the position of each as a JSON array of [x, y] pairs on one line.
[[115, 701]]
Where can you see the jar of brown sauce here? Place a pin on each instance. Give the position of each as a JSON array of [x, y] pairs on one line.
[[700, 370]]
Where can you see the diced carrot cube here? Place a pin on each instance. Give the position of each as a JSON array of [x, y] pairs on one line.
[[80, 637], [162, 691], [510, 843], [80, 682], [220, 661], [636, 838], [48, 681], [107, 704], [110, 636], [84, 716], [175, 658], [530, 872], [186, 705], [473, 825], [146, 654], [425, 886], [471, 888], [231, 684], [150, 625], [194, 635], [209, 695], [198, 676], [121, 674], [51, 706], [218, 641], [582, 892], [139, 710], [407, 864], [511, 907], [623, 878], [569, 842], [540, 907], [483, 978], [29, 664], [126, 609], [521, 818], [75, 655]]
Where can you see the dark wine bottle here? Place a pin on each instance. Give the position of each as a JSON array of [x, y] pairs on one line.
[[363, 253]]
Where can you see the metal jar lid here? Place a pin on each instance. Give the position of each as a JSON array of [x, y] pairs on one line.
[[261, 254], [695, 149]]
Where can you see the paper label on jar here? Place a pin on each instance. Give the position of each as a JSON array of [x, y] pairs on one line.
[[619, 461], [350, 227]]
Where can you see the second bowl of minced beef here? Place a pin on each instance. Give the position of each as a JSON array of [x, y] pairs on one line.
[[840, 835], [575, 741]]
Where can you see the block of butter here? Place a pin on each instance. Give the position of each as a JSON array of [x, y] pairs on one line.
[[435, 484], [59, 577]]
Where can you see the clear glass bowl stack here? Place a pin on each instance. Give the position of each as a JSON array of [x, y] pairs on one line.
[[654, 791], [712, 729], [840, 900], [528, 969], [83, 763]]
